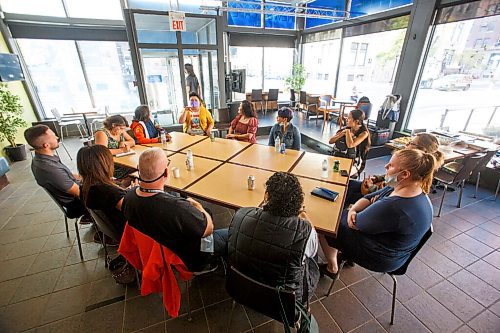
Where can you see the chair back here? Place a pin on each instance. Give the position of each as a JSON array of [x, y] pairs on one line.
[[104, 224], [366, 108], [61, 207], [56, 114], [486, 159], [222, 115], [469, 164], [325, 101], [261, 297], [292, 95], [256, 95], [303, 97], [402, 270], [272, 96]]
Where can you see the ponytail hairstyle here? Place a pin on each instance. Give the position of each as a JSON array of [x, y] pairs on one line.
[[359, 115], [420, 164], [430, 144]]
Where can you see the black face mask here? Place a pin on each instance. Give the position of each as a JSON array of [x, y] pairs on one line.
[[164, 174]]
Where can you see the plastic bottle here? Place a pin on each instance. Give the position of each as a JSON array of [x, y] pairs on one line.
[[163, 137], [324, 169], [189, 160], [277, 144], [207, 244]]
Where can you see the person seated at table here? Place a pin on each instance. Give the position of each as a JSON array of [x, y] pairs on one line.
[[276, 244], [381, 230], [143, 127], [177, 223], [114, 136], [98, 190], [195, 118], [244, 126], [425, 142], [285, 130], [354, 139]]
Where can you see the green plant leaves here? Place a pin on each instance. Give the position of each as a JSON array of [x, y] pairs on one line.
[[298, 78], [11, 113]]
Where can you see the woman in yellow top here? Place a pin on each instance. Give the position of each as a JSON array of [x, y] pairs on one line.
[[196, 119]]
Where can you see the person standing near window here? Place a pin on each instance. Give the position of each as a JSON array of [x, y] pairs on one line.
[[192, 83]]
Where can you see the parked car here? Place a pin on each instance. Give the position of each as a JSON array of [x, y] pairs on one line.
[[453, 82]]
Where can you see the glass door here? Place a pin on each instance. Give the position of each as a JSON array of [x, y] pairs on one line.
[[204, 64], [163, 83]]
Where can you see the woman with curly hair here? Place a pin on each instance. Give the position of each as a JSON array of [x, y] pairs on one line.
[[276, 244]]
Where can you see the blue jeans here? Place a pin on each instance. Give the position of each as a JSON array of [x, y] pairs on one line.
[[220, 242]]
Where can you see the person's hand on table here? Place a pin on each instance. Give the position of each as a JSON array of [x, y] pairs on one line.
[[230, 136], [351, 219]]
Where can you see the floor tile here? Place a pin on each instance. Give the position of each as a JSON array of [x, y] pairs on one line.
[[351, 275], [213, 288], [12, 235], [459, 303], [218, 317], [492, 227], [105, 290], [65, 303], [5, 250], [373, 296], [370, 327], [485, 322], [465, 329], [470, 244], [455, 221], [422, 274], [484, 237], [27, 247], [404, 321], [495, 308], [472, 216], [106, 319], [198, 324], [66, 325], [91, 251], [156, 328], [38, 230], [325, 321], [31, 208], [77, 274], [57, 241], [18, 222], [7, 290], [350, 314], [438, 262], [52, 215], [256, 318], [195, 301], [36, 285], [434, 315], [486, 272], [13, 318], [49, 260], [15, 268], [141, 312], [475, 287], [456, 253], [406, 287], [446, 230], [270, 327], [324, 284]]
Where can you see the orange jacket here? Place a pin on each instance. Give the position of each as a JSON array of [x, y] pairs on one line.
[[144, 253], [139, 133]]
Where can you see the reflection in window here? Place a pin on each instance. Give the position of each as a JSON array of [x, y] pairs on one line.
[[364, 7], [320, 62], [249, 58], [245, 19], [461, 73], [199, 31], [57, 74], [109, 9], [34, 7], [368, 66], [111, 76]]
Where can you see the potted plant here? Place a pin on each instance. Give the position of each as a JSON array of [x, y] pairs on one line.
[[10, 121], [297, 80]]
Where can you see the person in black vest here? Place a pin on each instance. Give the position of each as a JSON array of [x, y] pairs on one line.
[[276, 244], [353, 140]]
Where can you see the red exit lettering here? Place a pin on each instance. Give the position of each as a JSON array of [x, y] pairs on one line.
[[178, 25]]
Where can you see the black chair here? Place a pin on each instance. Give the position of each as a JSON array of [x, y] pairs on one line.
[[65, 212], [104, 225], [260, 297], [272, 99], [400, 271], [481, 166], [222, 120], [257, 99], [310, 108], [456, 173]]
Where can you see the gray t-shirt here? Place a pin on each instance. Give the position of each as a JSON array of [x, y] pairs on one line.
[[51, 174], [192, 83]]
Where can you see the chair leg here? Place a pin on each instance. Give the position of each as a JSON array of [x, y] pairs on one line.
[[460, 194], [78, 239], [341, 265], [477, 183], [62, 133], [66, 222], [78, 126], [66, 149], [394, 289], [188, 302], [442, 199], [137, 278], [496, 191], [231, 317]]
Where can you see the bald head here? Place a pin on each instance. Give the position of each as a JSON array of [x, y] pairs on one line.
[[152, 163]]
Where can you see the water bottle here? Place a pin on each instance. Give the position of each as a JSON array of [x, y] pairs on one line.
[[283, 148], [277, 144], [324, 169], [207, 244], [189, 160], [163, 137]]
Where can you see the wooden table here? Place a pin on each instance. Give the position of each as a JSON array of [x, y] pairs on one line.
[[179, 141], [227, 185], [449, 156], [220, 149], [265, 157], [324, 214], [202, 166], [131, 161], [310, 166]]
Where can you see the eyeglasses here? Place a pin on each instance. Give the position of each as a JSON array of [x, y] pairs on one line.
[[413, 144]]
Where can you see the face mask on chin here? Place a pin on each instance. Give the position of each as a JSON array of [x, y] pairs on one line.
[[392, 180]]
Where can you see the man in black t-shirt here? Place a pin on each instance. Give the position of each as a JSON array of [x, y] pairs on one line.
[[177, 223]]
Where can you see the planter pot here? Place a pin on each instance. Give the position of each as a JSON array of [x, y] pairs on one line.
[[17, 153]]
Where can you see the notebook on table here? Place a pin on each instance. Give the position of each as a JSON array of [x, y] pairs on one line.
[[325, 193]]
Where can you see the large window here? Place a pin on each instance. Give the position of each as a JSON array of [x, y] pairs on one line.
[[249, 58], [368, 66], [321, 62], [460, 79], [278, 64], [58, 71]]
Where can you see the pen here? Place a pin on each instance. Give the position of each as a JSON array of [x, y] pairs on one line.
[[327, 191]]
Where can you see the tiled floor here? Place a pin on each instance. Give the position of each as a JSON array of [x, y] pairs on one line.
[[452, 285]]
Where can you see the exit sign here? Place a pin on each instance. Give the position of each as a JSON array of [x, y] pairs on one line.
[[177, 21]]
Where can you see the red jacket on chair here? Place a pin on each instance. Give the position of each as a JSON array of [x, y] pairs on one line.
[[144, 253]]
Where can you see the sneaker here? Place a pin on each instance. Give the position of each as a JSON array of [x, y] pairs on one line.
[[86, 219]]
